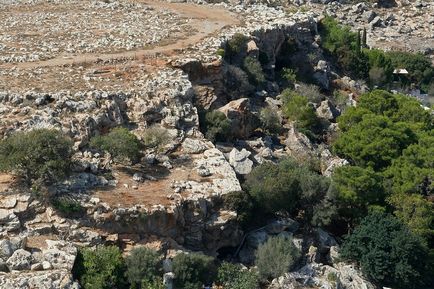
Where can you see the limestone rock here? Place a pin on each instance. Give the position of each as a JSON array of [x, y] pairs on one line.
[[240, 161], [20, 260], [238, 112], [327, 111]]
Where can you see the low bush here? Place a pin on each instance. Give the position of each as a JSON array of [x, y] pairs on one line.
[[155, 137], [297, 108], [102, 268], [276, 257], [120, 143], [270, 120], [241, 203], [217, 126], [193, 270], [68, 207], [143, 268], [289, 188], [253, 68], [232, 276], [235, 46]]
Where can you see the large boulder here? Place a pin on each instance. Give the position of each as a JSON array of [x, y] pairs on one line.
[[20, 260], [242, 121], [240, 161]]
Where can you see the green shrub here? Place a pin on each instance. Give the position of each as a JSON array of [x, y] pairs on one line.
[[143, 268], [217, 126], [345, 46], [193, 270], [289, 74], [232, 276], [270, 120], [155, 137], [236, 81], [102, 268], [297, 108], [273, 187], [310, 91], [276, 257], [40, 155], [68, 207], [285, 187], [120, 143], [235, 46], [242, 203], [387, 252], [253, 68]]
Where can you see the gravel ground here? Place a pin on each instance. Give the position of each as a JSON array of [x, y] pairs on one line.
[[41, 30]]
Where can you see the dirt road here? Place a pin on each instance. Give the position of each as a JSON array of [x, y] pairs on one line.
[[205, 21]]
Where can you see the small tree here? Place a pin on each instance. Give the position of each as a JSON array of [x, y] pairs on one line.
[[143, 266], [232, 276], [42, 155], [276, 257], [120, 143], [193, 270], [102, 268]]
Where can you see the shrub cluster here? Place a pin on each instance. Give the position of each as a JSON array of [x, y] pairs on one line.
[[120, 143], [374, 65], [41, 155], [276, 257]]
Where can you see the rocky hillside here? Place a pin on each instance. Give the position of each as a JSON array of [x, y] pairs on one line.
[[204, 113]]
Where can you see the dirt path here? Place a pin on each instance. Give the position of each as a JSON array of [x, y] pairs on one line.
[[205, 21]]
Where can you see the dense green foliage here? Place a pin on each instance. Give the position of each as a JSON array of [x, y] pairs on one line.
[[232, 276], [241, 203], [67, 207], [287, 187], [40, 155], [193, 270], [345, 46], [217, 126], [387, 251], [276, 257], [375, 141], [143, 266], [102, 268], [120, 143], [253, 68], [358, 189], [234, 46], [389, 140], [380, 128], [374, 65], [297, 108]]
